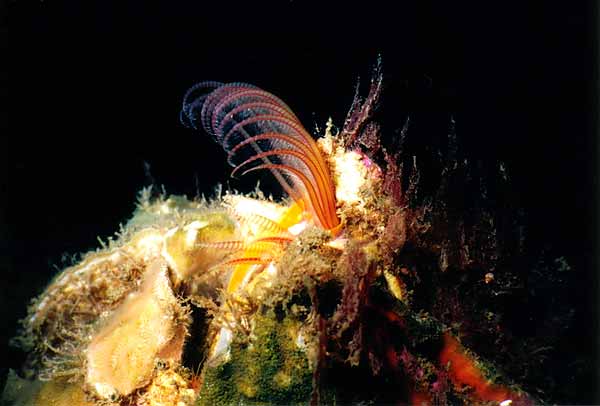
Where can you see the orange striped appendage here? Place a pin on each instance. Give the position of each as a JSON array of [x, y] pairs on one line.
[[260, 132]]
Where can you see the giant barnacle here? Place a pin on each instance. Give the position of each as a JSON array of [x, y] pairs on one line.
[[261, 296]]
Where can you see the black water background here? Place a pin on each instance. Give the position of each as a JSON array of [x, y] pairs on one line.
[[94, 91]]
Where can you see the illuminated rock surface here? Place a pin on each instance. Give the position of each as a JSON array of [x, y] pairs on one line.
[[356, 289]]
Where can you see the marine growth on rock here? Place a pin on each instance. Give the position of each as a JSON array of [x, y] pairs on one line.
[[354, 288]]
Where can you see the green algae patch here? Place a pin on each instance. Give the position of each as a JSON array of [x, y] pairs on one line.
[[270, 369]]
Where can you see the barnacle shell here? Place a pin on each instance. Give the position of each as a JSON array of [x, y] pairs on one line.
[[148, 325]]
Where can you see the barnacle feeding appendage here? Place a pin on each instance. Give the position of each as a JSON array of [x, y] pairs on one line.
[[259, 131]]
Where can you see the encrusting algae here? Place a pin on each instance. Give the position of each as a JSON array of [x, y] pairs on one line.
[[245, 300]]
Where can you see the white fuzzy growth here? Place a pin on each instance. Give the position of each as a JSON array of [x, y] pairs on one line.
[[351, 176], [349, 172], [191, 232], [297, 228], [149, 245], [104, 390], [165, 253], [221, 349], [271, 269], [300, 341]]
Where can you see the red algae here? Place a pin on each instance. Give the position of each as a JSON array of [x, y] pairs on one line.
[[463, 371]]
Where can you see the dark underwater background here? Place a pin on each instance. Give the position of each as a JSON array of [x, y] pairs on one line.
[[94, 92]]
